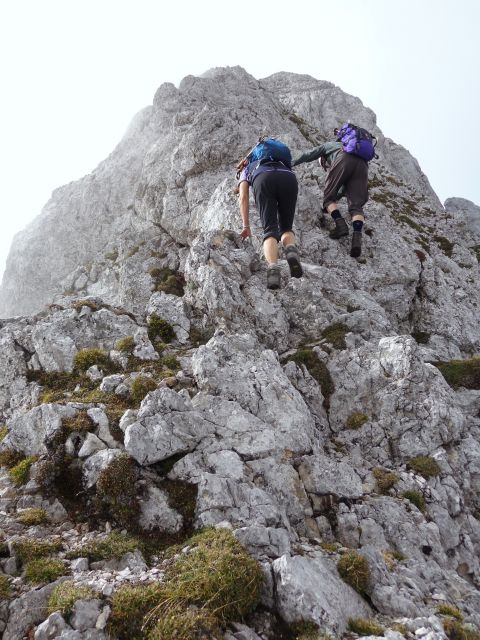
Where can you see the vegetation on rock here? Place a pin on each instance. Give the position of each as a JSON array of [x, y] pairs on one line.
[[356, 420], [455, 630], [461, 373], [27, 549], [416, 498], [425, 466], [116, 496], [140, 387], [33, 516], [354, 570], [114, 546], [160, 330], [335, 335], [446, 609], [44, 570], [363, 627], [5, 588], [86, 358], [385, 479], [317, 369], [20, 473], [64, 596]]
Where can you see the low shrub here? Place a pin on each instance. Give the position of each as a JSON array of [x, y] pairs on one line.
[[385, 479], [416, 498], [140, 387], [27, 549], [160, 329], [44, 570], [64, 596], [455, 630], [354, 570], [425, 466], [116, 496], [446, 609], [34, 516], [335, 335], [363, 627], [86, 358], [10, 458]]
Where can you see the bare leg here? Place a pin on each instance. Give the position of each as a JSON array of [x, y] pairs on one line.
[[288, 238], [270, 250], [331, 206]]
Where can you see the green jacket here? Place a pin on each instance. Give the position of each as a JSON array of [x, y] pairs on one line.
[[328, 150]]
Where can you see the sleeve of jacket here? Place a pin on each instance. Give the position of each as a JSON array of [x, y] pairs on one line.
[[314, 154]]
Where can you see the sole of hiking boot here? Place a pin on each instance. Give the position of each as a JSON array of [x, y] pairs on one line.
[[273, 280], [356, 249], [340, 231], [294, 265]]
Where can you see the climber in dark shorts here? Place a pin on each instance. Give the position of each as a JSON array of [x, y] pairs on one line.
[[275, 189], [347, 176]]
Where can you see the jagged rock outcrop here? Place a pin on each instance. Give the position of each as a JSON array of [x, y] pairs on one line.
[[169, 390]]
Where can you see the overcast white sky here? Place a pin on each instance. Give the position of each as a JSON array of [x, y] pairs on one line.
[[74, 72]]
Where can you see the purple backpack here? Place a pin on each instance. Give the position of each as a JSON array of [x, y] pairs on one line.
[[357, 141]]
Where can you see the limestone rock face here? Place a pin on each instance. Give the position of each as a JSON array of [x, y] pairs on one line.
[[312, 421]]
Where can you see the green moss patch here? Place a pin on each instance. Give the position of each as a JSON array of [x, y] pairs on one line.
[[356, 420], [354, 570], [335, 335], [317, 369], [44, 570], [31, 517], [64, 596], [363, 627], [425, 466], [416, 498], [3, 432], [461, 373], [385, 479], [20, 473]]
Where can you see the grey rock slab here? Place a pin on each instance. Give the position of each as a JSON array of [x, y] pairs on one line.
[[166, 425], [322, 475], [156, 513], [51, 628], [85, 614], [310, 589], [30, 432], [28, 609], [91, 445]]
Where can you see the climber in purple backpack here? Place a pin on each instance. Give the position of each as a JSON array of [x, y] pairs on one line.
[[267, 169], [346, 160]]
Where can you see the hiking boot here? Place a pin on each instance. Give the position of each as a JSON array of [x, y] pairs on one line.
[[341, 229], [356, 249], [291, 253], [273, 277]]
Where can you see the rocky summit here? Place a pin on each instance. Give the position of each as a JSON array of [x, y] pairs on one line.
[[186, 454]]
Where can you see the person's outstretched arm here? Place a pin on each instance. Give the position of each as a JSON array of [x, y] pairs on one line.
[[314, 154], [244, 209]]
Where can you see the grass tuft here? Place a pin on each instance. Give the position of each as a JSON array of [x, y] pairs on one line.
[[141, 386], [3, 432], [20, 473], [354, 570], [317, 369], [31, 517], [114, 546], [363, 627], [27, 549], [416, 498], [64, 596], [116, 496], [44, 570], [446, 609], [86, 358], [455, 630], [81, 423], [160, 330], [126, 345], [335, 335], [385, 479], [5, 588], [356, 421], [425, 465], [461, 373]]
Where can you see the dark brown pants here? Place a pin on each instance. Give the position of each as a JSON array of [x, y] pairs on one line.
[[349, 175]]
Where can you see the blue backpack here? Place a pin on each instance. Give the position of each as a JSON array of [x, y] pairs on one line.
[[270, 150], [357, 141]]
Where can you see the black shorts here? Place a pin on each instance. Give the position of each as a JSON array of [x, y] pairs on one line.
[[276, 197]]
